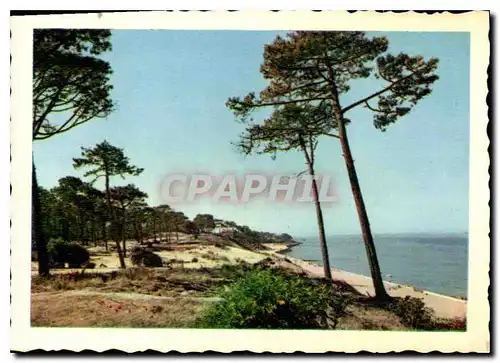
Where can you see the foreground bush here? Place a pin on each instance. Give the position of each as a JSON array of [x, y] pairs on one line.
[[269, 299], [413, 313], [61, 252]]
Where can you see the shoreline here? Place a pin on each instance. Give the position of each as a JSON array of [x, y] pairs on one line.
[[444, 306]]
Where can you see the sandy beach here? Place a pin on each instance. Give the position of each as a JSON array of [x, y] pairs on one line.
[[444, 306]]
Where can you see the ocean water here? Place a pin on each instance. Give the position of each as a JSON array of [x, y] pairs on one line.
[[436, 263]]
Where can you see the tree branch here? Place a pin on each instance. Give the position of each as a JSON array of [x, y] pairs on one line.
[[373, 108], [376, 94], [278, 103]]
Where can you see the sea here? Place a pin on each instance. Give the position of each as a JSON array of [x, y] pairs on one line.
[[431, 262]]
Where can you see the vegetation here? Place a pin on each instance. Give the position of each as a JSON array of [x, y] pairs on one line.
[[143, 257], [287, 129], [413, 312], [307, 73], [204, 222], [254, 239], [270, 300], [313, 69], [71, 81], [62, 252], [237, 296], [108, 161]]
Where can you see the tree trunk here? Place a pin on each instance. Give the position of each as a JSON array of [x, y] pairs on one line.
[[116, 232], [110, 209], [141, 233], [168, 232], [319, 216], [36, 228], [124, 246], [120, 254], [114, 222], [104, 234], [321, 227], [137, 233], [93, 232], [124, 236], [371, 253], [81, 228], [154, 228]]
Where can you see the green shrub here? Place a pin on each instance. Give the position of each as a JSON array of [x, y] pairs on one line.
[[413, 312], [271, 300], [57, 249], [77, 255], [61, 252], [143, 257]]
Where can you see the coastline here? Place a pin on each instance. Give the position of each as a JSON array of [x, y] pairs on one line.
[[444, 306]]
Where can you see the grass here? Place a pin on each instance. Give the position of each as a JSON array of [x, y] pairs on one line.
[[173, 297], [54, 310], [359, 317], [150, 281]]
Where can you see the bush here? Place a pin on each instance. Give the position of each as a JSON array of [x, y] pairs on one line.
[[77, 255], [413, 313], [57, 249], [142, 257], [272, 300], [61, 252]]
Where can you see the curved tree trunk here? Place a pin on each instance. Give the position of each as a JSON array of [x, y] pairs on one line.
[[120, 254], [364, 222], [36, 228]]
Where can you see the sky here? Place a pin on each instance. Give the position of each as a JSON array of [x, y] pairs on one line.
[[170, 88]]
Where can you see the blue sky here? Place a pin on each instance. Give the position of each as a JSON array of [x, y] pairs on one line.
[[171, 87]]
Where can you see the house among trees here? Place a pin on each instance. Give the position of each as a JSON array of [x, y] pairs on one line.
[[224, 227]]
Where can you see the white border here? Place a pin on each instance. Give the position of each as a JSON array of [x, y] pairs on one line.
[[23, 337]]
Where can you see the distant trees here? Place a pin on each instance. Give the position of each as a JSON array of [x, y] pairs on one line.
[[204, 222], [71, 210], [192, 228], [106, 161], [316, 67], [76, 211], [165, 219], [178, 221], [71, 82]]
